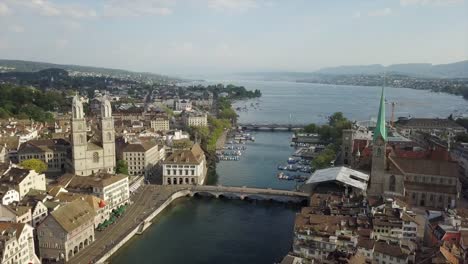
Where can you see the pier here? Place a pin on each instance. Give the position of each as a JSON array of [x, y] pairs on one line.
[[151, 200], [272, 127]]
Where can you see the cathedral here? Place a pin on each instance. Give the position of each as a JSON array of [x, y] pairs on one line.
[[421, 181], [97, 154]]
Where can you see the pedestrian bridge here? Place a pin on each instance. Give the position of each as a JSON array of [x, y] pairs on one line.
[[272, 127], [245, 193]]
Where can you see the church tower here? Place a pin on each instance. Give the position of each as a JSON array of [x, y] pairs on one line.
[[377, 177], [107, 136], [79, 140]]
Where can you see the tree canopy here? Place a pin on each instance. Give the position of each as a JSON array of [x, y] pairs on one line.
[[121, 167], [34, 164]]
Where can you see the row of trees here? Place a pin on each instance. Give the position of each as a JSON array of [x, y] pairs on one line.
[[331, 134]]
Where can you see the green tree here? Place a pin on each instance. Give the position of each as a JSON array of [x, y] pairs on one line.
[[34, 164], [324, 159], [121, 167]]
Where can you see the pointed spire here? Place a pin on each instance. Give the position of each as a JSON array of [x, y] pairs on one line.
[[380, 128]]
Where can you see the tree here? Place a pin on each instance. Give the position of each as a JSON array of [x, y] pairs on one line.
[[121, 167], [34, 164]]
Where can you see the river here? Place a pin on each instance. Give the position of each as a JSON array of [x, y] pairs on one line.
[[218, 231]]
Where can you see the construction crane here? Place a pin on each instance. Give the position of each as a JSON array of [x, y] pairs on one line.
[[392, 118]]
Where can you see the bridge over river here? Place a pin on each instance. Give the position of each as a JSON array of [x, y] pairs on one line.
[[150, 200], [246, 193], [272, 127]]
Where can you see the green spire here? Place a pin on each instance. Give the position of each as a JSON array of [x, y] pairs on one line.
[[380, 129]]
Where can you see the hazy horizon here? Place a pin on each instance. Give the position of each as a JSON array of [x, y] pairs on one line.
[[194, 37]]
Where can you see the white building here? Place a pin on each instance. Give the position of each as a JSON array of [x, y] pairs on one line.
[[183, 105], [195, 119], [185, 167], [8, 195], [17, 243], [113, 189], [142, 158], [23, 180], [160, 123]]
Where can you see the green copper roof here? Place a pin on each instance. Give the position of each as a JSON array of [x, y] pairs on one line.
[[380, 129]]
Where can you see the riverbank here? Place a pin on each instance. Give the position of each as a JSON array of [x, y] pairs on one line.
[[151, 200]]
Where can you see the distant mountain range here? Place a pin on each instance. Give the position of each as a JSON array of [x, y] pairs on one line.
[[451, 70], [425, 70], [33, 66]]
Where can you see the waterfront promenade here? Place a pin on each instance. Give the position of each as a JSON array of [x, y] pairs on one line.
[[151, 199]]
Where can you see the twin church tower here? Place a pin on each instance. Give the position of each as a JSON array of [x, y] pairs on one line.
[[97, 154]]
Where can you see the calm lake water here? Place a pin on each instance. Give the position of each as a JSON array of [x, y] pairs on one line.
[[219, 231]]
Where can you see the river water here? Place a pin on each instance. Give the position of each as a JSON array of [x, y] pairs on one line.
[[218, 231]]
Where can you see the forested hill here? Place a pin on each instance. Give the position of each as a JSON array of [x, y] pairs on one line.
[[33, 66], [451, 70]]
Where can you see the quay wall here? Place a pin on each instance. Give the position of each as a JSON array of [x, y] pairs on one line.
[[147, 223]]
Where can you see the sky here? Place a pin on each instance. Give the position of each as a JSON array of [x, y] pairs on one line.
[[225, 36]]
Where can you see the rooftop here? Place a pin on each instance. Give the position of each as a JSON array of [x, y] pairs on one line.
[[342, 174], [73, 215]]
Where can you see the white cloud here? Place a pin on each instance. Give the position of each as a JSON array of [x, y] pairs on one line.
[[235, 5], [380, 12], [357, 14], [135, 8], [184, 48], [16, 28], [430, 2], [61, 43], [4, 9], [49, 8]]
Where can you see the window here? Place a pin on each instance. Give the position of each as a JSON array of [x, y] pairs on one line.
[[109, 136], [392, 183], [95, 157]]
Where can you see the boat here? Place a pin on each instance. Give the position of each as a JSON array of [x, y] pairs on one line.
[[281, 167]]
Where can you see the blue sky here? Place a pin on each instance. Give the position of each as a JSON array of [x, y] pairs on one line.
[[221, 36]]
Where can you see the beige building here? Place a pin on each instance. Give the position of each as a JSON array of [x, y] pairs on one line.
[[192, 119], [98, 153], [16, 213], [142, 158], [186, 166], [17, 243], [23, 180], [101, 209], [113, 189], [53, 152], [160, 123], [66, 231]]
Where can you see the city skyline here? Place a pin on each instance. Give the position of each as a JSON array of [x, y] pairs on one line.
[[176, 37]]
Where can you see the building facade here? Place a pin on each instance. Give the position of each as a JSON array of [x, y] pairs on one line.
[[160, 123], [90, 157], [52, 152], [23, 180], [17, 243], [142, 158], [195, 119], [66, 231], [113, 189], [185, 167]]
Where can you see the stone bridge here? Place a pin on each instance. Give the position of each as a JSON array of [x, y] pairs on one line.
[[245, 193], [272, 127]]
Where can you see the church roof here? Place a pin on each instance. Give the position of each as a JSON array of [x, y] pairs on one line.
[[380, 129], [426, 166]]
